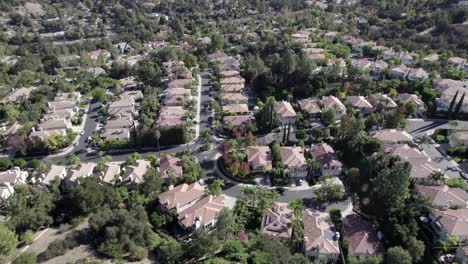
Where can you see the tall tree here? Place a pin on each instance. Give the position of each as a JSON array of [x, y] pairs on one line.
[[452, 104], [456, 113], [8, 241]]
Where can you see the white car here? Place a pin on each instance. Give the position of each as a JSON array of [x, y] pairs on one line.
[[82, 133]]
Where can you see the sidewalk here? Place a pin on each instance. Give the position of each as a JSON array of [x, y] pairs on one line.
[[197, 117]]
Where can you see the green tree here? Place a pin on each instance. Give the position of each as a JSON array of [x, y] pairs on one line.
[[415, 249], [8, 241], [329, 117], [26, 258], [170, 251], [152, 184], [99, 94], [216, 188], [329, 192], [452, 104], [397, 255], [73, 160], [456, 113]]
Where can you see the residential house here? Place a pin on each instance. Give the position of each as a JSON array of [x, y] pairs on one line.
[[405, 98], [170, 166], [421, 164], [286, 112], [172, 111], [166, 122], [6, 190], [320, 237], [363, 237], [100, 53], [232, 80], [311, 107], [42, 135], [120, 134], [237, 121], [233, 109], [398, 71], [134, 174], [180, 83], [459, 138], [259, 158], [54, 124], [443, 197], [122, 107], [448, 89], [111, 173], [408, 58], [17, 95], [72, 97], [379, 67], [392, 136], [276, 221], [181, 197], [121, 122], [382, 101], [451, 222], [417, 74], [232, 88], [230, 74], [431, 58], [457, 62], [81, 171], [182, 92], [361, 64], [234, 98], [326, 157], [388, 54], [216, 56], [175, 100], [54, 171], [202, 213], [333, 103], [293, 162], [360, 103], [13, 176]]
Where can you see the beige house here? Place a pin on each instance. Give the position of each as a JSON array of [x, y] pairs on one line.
[[311, 107], [111, 173], [17, 95], [170, 165], [363, 237], [294, 162], [382, 101], [234, 98], [320, 237], [360, 103], [276, 221], [133, 174], [181, 197], [54, 171], [81, 171], [333, 103], [259, 158], [392, 136], [443, 197], [286, 112], [326, 157], [203, 213], [235, 109]]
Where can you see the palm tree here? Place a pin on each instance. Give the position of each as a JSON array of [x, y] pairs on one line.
[[157, 135], [297, 229]]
